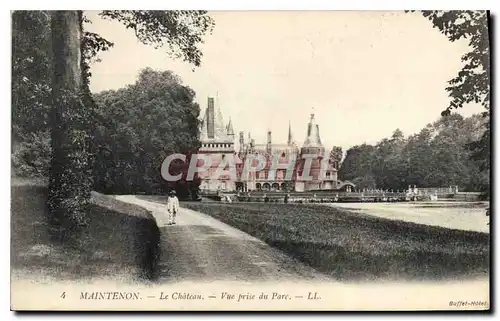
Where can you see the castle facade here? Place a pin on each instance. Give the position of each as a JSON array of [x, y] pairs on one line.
[[283, 166]]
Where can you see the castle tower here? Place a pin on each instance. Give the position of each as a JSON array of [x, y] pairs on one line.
[[215, 136], [312, 144], [210, 117], [311, 180], [217, 141]]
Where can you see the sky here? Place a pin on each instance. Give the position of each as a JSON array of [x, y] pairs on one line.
[[363, 74]]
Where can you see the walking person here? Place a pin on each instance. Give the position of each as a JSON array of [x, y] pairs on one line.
[[172, 207]]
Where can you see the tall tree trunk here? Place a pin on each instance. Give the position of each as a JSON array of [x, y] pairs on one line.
[[69, 184]]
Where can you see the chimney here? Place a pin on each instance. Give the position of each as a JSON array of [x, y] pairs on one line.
[[269, 141], [211, 118], [242, 141]]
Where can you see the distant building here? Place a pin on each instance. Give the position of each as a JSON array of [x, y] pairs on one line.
[[218, 140]]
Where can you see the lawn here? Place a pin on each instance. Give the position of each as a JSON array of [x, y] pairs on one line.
[[353, 246], [120, 242]]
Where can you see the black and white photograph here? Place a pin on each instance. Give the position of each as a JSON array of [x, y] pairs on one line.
[[191, 160]]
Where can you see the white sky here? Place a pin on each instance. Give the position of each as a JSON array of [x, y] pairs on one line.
[[364, 73]]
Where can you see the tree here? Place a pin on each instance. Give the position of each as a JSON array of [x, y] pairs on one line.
[[336, 156], [139, 126], [181, 31], [31, 73], [472, 84], [390, 166], [357, 163], [420, 157], [31, 93], [438, 156], [63, 49], [69, 181]]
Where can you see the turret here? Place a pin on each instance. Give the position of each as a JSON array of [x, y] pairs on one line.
[[229, 128], [312, 144]]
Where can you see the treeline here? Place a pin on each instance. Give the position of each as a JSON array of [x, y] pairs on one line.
[[442, 154]]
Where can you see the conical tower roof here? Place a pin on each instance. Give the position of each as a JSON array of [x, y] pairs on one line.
[[219, 128], [290, 136], [230, 130], [312, 139], [318, 138], [204, 127]]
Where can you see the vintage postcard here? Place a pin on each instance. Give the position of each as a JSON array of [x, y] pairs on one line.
[[250, 160]]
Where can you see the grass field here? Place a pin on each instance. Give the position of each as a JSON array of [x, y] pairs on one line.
[[120, 242], [453, 215], [353, 246]]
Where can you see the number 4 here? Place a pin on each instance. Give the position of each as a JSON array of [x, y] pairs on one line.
[[63, 295]]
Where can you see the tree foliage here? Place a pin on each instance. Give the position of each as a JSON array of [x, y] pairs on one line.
[[180, 31], [357, 162], [472, 83], [336, 156], [138, 127], [31, 73], [52, 119], [438, 156]]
